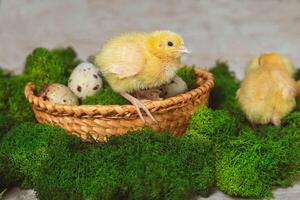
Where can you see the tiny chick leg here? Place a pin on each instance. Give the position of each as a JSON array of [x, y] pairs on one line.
[[138, 104], [253, 125], [276, 120]]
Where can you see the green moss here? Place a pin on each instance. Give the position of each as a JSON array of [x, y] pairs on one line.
[[188, 75], [226, 85], [13, 102], [218, 125], [69, 57], [18, 106], [297, 104], [106, 96], [4, 77], [3, 94], [6, 123], [291, 120], [223, 95], [4, 73], [139, 165], [43, 67], [255, 162], [24, 149]]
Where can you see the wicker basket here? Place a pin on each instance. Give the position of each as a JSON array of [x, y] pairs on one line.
[[96, 122]]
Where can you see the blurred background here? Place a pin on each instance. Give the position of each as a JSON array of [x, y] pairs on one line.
[[228, 30]]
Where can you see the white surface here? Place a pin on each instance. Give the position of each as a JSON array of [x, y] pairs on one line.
[[213, 29]]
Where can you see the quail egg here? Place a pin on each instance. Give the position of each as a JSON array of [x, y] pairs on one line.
[[175, 87], [58, 93], [85, 80]]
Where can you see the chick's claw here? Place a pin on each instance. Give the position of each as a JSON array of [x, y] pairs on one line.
[[138, 105]]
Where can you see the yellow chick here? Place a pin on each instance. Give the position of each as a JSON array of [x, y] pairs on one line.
[[136, 61], [268, 91]]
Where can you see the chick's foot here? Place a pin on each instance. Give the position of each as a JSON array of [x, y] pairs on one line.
[[138, 105], [276, 121]]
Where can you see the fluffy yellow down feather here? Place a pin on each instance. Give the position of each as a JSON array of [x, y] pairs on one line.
[[268, 91]]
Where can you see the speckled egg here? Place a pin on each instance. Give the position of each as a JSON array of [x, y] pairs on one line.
[[175, 87], [85, 80], [58, 93]]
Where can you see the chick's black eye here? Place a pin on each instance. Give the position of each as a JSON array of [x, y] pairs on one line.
[[170, 44]]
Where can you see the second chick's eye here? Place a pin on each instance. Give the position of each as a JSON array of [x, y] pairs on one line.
[[170, 44]]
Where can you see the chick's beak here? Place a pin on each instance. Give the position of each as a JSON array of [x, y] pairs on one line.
[[183, 50]]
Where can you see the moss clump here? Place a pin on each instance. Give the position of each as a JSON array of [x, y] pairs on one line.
[[292, 120], [106, 96], [3, 94], [188, 75], [25, 148], [69, 57], [6, 121], [44, 67], [253, 163], [18, 106], [5, 124], [13, 102], [223, 95], [218, 125], [139, 165], [297, 104], [4, 77], [4, 73], [226, 85]]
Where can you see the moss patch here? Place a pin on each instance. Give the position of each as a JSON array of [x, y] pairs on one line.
[[255, 162], [42, 67], [25, 148], [140, 165], [226, 85], [188, 75], [106, 96], [69, 58]]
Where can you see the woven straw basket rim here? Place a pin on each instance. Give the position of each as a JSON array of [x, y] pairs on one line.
[[205, 83]]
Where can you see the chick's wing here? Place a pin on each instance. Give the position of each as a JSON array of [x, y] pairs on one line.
[[128, 60]]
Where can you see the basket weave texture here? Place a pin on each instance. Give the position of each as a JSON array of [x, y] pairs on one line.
[[97, 122]]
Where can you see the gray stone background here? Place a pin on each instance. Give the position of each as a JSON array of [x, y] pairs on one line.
[[228, 30]]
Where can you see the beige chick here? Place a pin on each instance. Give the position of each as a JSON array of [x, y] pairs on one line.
[[138, 61], [268, 91]]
